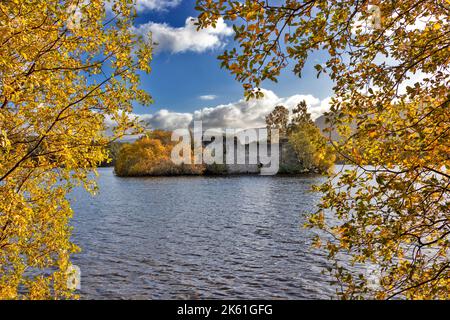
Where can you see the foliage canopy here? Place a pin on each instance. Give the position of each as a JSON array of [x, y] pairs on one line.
[[150, 155], [65, 67], [390, 66], [308, 145], [312, 148]]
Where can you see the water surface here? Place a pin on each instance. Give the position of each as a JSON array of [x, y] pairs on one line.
[[198, 237]]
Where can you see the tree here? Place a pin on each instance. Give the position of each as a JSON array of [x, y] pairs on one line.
[[309, 150], [389, 61], [312, 148], [300, 115], [150, 155], [65, 67], [278, 119], [141, 157], [112, 150]]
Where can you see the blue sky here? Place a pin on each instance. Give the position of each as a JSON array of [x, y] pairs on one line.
[[185, 67]]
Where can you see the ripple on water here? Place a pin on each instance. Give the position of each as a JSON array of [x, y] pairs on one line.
[[198, 237]]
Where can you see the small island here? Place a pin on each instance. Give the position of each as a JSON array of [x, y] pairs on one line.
[[302, 148]]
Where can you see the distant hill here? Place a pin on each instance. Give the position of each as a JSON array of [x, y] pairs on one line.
[[322, 124]]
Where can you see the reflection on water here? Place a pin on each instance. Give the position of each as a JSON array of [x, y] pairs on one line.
[[198, 237]]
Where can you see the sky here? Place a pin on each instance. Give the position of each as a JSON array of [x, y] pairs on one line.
[[187, 83]]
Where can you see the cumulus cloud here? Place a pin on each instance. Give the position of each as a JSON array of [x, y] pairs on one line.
[[251, 114], [148, 5], [168, 120], [208, 97], [241, 114], [158, 5], [186, 38]]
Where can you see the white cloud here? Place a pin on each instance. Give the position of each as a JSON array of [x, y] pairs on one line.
[[158, 5], [186, 38], [148, 5], [208, 97], [168, 120], [251, 114], [241, 114]]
